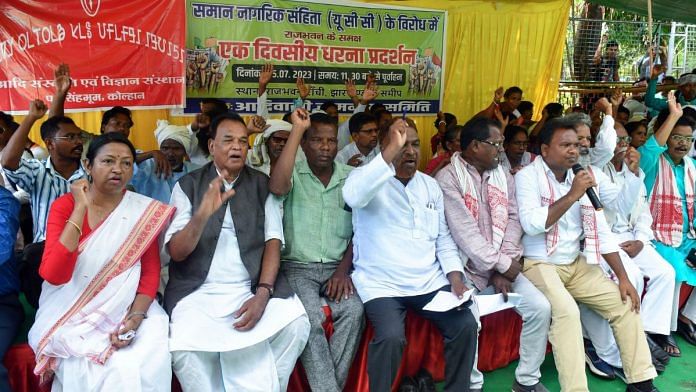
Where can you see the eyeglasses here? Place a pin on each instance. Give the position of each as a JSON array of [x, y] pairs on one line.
[[623, 139], [370, 130], [497, 145], [680, 138], [73, 137]]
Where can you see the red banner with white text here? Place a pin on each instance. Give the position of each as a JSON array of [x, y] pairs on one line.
[[120, 52]]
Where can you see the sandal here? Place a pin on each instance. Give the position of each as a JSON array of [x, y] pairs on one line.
[[687, 331], [670, 343], [656, 344]]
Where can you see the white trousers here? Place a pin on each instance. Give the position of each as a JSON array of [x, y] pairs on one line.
[[264, 367], [656, 310], [142, 366], [535, 311]]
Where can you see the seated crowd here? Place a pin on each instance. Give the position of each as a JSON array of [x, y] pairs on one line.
[[219, 256]]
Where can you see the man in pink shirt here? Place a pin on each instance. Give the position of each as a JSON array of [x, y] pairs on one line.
[[481, 211]]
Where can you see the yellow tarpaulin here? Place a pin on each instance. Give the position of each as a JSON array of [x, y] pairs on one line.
[[489, 44]]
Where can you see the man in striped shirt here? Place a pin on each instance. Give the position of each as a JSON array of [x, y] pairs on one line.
[[45, 180]]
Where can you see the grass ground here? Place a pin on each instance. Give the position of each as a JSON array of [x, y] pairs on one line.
[[680, 375]]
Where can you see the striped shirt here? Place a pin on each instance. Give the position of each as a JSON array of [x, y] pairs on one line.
[[44, 185]]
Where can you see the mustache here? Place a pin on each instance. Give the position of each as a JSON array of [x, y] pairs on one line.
[[584, 150]]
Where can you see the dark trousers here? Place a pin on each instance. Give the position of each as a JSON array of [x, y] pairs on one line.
[[387, 315], [11, 316]]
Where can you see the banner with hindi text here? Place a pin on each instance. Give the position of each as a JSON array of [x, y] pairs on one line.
[[120, 52], [228, 41]]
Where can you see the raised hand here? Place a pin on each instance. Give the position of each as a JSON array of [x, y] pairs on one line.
[[397, 133], [300, 119], [370, 93], [675, 108], [498, 94], [78, 189], [616, 97], [632, 159], [603, 105], [371, 79], [266, 74], [302, 88], [657, 69], [351, 91], [257, 124], [37, 109], [503, 120], [62, 79]]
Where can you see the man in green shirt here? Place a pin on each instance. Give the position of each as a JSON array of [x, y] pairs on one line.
[[318, 257]]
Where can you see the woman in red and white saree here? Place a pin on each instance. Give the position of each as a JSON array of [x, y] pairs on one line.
[[97, 327]]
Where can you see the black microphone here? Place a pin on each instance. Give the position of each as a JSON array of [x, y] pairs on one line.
[[590, 192]]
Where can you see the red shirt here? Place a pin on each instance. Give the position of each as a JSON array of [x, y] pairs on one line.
[[436, 161], [58, 263]]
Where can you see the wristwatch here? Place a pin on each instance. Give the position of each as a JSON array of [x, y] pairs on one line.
[[267, 287]]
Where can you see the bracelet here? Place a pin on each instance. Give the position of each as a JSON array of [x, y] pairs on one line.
[[266, 286], [133, 314], [442, 122], [79, 230]]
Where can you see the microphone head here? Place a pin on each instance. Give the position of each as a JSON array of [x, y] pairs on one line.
[[577, 167]]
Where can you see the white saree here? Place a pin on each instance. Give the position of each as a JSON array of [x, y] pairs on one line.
[[70, 336]]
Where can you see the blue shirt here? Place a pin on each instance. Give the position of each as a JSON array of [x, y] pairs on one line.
[[44, 185], [9, 224], [147, 183]]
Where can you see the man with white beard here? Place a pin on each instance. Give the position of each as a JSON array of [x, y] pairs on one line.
[[605, 140]]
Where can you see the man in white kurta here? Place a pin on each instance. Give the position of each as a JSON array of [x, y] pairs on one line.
[[211, 351], [404, 256], [640, 259]]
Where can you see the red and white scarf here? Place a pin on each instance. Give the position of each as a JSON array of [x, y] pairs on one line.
[[497, 197], [76, 319], [587, 212], [666, 203]]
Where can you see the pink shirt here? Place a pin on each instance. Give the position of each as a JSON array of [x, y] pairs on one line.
[[474, 237]]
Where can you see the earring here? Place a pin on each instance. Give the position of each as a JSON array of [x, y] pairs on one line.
[[89, 178]]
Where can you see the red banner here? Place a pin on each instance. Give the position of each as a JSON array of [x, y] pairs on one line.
[[120, 52]]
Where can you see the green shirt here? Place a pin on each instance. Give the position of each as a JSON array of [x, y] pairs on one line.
[[316, 224]]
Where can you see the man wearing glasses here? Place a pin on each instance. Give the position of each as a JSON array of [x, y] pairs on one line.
[[46, 180], [364, 131], [481, 211], [670, 178]]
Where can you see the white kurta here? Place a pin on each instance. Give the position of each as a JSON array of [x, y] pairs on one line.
[[351, 150], [211, 307], [401, 242]]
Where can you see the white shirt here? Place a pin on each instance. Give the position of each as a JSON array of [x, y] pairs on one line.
[[196, 154], [533, 215], [401, 243], [227, 286], [350, 150], [344, 130], [621, 223], [605, 143]]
